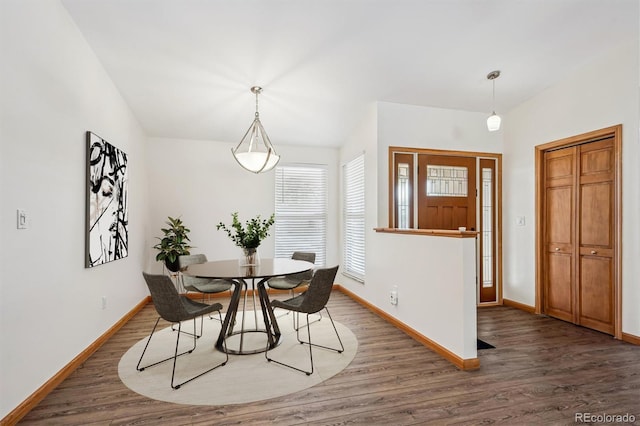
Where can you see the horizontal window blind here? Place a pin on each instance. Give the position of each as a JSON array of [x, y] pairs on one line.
[[301, 210], [353, 215]]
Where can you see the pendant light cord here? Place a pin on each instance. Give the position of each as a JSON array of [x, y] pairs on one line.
[[257, 113], [493, 106], [492, 76]]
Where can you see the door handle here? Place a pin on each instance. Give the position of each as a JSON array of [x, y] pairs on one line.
[[594, 252], [557, 248]]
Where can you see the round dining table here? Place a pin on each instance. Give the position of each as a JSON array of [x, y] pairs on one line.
[[242, 277]]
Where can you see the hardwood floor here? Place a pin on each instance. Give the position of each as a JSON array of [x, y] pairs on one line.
[[542, 371]]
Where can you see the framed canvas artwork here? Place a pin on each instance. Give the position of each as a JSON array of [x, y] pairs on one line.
[[107, 233]]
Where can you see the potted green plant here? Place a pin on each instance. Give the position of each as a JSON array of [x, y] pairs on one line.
[[248, 236], [173, 244]]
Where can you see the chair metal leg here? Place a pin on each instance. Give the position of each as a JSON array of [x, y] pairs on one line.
[[308, 373], [200, 374], [176, 354], [211, 317], [167, 359], [197, 336], [308, 342], [296, 320], [320, 346]]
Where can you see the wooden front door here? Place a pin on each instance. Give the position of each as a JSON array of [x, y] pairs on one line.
[[446, 192], [579, 225]]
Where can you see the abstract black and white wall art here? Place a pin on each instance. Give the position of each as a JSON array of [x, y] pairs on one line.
[[107, 236]]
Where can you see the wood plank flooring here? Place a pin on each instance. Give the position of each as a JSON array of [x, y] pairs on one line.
[[542, 371]]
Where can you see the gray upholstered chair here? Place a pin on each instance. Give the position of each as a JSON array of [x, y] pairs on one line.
[[201, 285], [205, 286], [290, 282], [175, 308], [310, 302]]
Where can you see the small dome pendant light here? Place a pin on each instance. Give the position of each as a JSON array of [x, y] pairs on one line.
[[255, 152], [493, 122]]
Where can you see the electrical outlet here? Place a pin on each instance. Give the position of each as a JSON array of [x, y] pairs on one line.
[[394, 296], [520, 221]]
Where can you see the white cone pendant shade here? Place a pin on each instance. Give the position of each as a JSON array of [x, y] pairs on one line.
[[255, 152], [493, 122]]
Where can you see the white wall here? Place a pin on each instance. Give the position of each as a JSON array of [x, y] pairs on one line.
[[421, 127], [53, 91], [364, 141], [425, 127], [600, 95], [435, 277], [202, 183]]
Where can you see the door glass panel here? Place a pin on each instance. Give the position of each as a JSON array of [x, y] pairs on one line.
[[487, 227], [403, 194], [447, 181]]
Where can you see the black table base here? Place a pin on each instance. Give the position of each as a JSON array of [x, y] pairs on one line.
[[229, 324]]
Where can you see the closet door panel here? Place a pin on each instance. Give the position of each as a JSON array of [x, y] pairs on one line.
[[596, 236], [559, 279], [596, 295], [560, 288]]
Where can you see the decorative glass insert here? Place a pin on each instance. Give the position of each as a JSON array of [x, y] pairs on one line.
[[487, 227], [403, 194], [447, 181]]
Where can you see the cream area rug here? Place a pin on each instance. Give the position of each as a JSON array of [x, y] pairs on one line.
[[245, 378]]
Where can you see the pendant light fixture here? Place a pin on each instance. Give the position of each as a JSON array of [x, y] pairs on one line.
[[255, 152], [493, 122]]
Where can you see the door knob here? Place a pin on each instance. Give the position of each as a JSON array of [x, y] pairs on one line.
[[594, 252], [557, 248]]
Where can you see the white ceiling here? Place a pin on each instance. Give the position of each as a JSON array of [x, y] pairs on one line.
[[185, 67]]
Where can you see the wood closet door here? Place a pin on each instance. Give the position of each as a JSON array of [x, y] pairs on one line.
[[579, 234], [596, 235], [559, 277]]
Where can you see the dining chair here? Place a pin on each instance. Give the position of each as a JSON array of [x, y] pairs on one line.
[[176, 308], [312, 301], [205, 286], [201, 285], [291, 282]]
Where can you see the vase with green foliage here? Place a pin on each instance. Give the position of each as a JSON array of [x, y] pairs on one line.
[[173, 244], [248, 236]]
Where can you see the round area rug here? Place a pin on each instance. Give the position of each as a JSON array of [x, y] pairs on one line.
[[245, 378]]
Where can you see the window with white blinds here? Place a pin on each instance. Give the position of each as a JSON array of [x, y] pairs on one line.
[[301, 211], [353, 216]]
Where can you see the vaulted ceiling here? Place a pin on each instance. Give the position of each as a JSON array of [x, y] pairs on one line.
[[185, 67]]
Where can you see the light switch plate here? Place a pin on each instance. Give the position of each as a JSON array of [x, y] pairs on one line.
[[22, 217]]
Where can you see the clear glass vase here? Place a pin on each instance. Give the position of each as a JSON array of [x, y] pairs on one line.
[[249, 257]]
